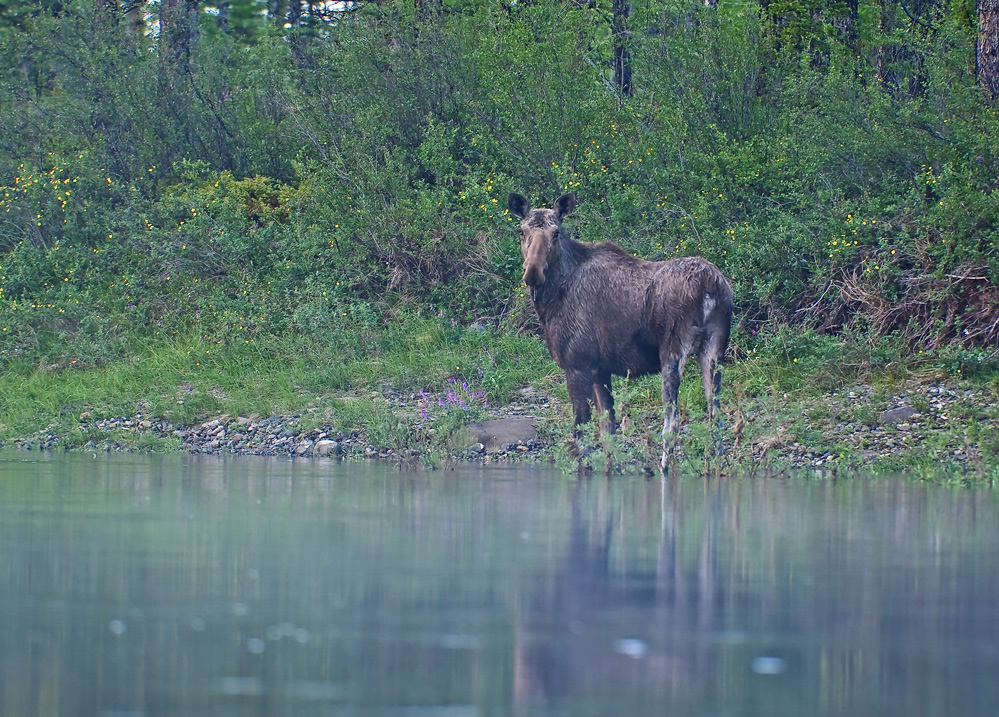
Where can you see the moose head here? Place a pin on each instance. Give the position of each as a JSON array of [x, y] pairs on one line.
[[540, 234]]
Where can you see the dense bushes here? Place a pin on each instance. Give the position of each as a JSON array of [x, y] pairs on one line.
[[323, 181]]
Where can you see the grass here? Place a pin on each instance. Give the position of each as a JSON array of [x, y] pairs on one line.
[[180, 381], [827, 404], [189, 379]]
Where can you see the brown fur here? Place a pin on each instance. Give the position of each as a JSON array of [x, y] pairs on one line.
[[604, 312]]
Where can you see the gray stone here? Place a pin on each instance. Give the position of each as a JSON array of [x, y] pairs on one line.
[[897, 415], [502, 431], [327, 448]]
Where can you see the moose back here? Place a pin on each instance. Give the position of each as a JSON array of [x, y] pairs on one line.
[[604, 312]]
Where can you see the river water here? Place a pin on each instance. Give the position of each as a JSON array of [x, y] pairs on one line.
[[146, 585]]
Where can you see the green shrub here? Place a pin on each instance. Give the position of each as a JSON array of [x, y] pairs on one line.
[[324, 184]]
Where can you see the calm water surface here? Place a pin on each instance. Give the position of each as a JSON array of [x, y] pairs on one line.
[[144, 585]]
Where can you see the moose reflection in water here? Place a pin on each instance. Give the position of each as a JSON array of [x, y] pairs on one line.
[[605, 312], [614, 624], [845, 601]]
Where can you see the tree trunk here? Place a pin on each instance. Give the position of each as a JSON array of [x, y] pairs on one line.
[[987, 55], [622, 58], [105, 15], [889, 56], [847, 24], [223, 16], [279, 12], [295, 13], [135, 21], [178, 33]]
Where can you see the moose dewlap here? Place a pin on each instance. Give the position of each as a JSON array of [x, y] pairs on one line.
[[605, 312]]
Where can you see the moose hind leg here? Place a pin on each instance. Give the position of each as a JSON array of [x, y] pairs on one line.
[[671, 388], [604, 401], [711, 378]]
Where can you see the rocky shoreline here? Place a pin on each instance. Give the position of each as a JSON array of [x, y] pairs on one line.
[[931, 418], [860, 423], [509, 434]]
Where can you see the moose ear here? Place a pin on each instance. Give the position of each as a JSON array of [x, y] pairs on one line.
[[565, 205], [519, 206]]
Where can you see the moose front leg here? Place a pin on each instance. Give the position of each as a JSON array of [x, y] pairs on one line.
[[580, 386]]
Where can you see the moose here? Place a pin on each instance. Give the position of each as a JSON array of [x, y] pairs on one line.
[[604, 312]]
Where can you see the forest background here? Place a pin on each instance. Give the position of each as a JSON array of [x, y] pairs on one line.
[[243, 206]]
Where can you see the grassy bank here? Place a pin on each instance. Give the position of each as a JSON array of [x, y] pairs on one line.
[[791, 400], [185, 379], [305, 216]]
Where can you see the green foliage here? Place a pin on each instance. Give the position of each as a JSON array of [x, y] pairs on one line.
[[322, 182]]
